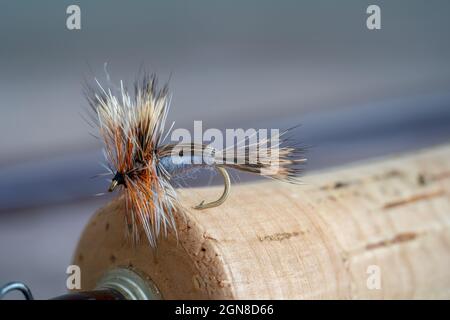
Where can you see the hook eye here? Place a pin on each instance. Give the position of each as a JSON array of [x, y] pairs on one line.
[[113, 185]]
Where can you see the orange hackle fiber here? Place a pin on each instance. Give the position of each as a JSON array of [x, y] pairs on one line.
[[131, 128]]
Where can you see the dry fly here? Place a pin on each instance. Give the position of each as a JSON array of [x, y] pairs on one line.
[[132, 127]]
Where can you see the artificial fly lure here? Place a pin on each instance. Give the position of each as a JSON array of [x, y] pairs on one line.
[[132, 127]]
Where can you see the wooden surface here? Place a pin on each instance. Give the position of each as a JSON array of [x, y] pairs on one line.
[[279, 241]]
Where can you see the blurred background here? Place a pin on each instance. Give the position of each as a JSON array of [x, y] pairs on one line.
[[357, 94]]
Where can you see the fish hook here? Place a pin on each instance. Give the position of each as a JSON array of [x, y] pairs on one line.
[[226, 191], [19, 286]]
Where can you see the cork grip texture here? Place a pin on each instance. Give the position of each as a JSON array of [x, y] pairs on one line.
[[272, 240]]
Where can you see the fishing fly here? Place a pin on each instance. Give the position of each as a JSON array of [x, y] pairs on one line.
[[133, 129]]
